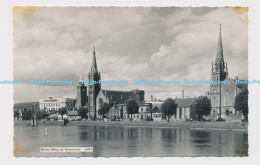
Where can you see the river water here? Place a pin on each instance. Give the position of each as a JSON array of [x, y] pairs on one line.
[[113, 141]]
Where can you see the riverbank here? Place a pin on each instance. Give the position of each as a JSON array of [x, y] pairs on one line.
[[236, 126]]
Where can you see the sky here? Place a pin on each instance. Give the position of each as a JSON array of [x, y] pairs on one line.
[[132, 43]]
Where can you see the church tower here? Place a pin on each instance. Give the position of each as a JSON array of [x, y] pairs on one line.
[[219, 72], [81, 93], [93, 88]]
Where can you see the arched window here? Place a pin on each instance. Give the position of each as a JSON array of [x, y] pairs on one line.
[[227, 112], [100, 101], [225, 100], [214, 101]]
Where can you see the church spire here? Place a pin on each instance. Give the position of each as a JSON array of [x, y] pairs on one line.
[[94, 63], [219, 57], [81, 78], [219, 72]]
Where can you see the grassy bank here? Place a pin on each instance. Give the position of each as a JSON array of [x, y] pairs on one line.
[[162, 124]]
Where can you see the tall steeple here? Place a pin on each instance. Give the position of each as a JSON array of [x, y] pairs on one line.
[[81, 77], [219, 62], [94, 88], [94, 62], [219, 70]]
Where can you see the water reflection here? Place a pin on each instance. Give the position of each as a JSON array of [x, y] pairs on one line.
[[132, 141], [200, 137]]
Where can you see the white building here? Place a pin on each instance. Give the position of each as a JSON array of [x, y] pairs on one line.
[[56, 103], [144, 112]]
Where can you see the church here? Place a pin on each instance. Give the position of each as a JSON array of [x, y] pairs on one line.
[[91, 95], [222, 96]]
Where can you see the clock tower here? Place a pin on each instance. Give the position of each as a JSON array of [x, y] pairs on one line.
[[81, 93]]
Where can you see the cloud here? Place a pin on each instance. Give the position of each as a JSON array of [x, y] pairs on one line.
[[140, 43]]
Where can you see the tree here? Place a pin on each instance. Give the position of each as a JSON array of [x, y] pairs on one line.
[[152, 110], [132, 107], [16, 113], [45, 113], [169, 107], [62, 111], [82, 111], [104, 109], [202, 106], [27, 114], [39, 114], [241, 103]]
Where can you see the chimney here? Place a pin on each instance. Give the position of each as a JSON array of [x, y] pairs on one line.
[[183, 94], [151, 97], [236, 78], [155, 99]]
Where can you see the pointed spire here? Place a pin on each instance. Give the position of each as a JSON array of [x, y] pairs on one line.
[[219, 57], [81, 76], [226, 68], [94, 63], [212, 67]]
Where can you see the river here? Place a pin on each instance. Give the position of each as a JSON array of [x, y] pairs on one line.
[[114, 141]]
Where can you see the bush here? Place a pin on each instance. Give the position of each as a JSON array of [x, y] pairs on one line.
[[220, 119], [149, 119]]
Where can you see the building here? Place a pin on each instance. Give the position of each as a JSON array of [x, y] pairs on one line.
[[184, 111], [156, 108], [82, 97], [21, 107], [116, 112], [144, 112], [93, 88], [222, 96], [56, 117], [118, 100], [54, 104], [92, 96], [73, 116]]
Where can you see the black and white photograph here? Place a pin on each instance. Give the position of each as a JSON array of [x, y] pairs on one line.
[[130, 81]]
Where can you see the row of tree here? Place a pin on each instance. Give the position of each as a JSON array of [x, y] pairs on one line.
[[41, 114], [202, 106]]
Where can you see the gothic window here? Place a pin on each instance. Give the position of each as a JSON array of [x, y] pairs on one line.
[[225, 99], [90, 98], [100, 100], [227, 112], [214, 91], [214, 101]]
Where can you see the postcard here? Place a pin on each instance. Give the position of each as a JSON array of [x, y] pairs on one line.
[[130, 81]]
